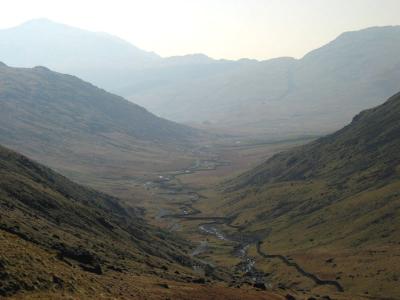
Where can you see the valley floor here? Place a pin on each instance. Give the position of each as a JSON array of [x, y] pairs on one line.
[[250, 263], [184, 202]]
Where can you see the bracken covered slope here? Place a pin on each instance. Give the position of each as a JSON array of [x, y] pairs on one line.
[[337, 197], [60, 240], [84, 229], [371, 141]]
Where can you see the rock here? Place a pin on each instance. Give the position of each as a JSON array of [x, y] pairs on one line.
[[260, 285], [9, 288], [116, 269], [199, 281], [281, 286], [164, 285], [58, 281], [78, 254], [2, 265], [41, 69], [105, 223], [96, 269]]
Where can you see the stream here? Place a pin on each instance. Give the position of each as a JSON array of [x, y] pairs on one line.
[[172, 187]]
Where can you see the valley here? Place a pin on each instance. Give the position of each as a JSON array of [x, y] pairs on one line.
[[291, 248], [61, 240], [315, 93], [127, 174], [176, 206]]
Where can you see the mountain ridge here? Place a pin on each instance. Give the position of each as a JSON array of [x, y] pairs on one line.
[[316, 94], [334, 199], [84, 229], [85, 132], [63, 240], [313, 95]]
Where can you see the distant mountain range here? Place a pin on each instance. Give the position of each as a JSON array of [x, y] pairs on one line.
[[316, 94], [284, 96], [328, 210], [71, 125], [99, 57]]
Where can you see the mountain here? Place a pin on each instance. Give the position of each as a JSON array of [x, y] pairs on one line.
[[316, 94], [52, 228], [370, 142], [83, 131], [61, 240], [335, 199], [98, 57]]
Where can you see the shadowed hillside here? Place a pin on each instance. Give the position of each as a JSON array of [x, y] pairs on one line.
[[61, 240], [81, 130], [80, 229]]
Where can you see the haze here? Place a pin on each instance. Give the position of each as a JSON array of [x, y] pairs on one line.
[[135, 163], [230, 29]]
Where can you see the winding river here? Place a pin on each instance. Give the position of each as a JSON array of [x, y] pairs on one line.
[[211, 226]]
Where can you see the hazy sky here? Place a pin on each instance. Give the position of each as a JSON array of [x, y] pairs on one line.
[[219, 28]]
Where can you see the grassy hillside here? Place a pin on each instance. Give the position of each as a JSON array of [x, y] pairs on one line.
[[370, 142], [60, 240], [337, 197], [80, 228], [83, 131]]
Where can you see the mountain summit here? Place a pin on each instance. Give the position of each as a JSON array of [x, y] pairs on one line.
[[316, 94], [95, 56]]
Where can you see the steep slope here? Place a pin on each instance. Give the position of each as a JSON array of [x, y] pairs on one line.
[[336, 198], [81, 130], [60, 240], [98, 57], [84, 230], [371, 141]]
